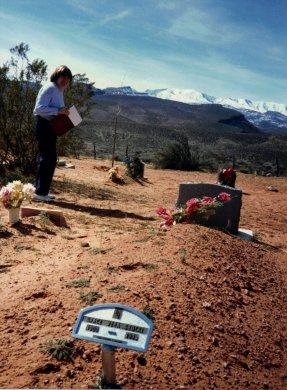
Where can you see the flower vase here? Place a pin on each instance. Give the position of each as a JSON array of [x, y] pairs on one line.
[[14, 215]]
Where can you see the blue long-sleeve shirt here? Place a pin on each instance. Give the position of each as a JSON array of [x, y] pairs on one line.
[[49, 101]]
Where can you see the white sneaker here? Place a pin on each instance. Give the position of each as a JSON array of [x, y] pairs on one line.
[[42, 198], [51, 196]]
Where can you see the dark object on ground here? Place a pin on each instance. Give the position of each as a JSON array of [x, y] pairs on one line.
[[227, 177], [135, 168]]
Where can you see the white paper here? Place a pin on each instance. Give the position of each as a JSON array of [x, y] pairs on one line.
[[74, 116]]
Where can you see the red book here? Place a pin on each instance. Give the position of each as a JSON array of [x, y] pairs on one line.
[[63, 123]]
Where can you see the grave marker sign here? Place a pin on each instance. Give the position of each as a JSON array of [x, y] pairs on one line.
[[114, 325]]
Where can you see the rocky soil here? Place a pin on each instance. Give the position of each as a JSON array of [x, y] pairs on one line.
[[218, 302]]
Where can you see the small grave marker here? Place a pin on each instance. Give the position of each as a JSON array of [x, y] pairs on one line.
[[55, 216], [113, 325], [64, 164]]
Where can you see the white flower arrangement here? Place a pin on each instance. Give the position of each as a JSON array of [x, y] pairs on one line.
[[13, 194]]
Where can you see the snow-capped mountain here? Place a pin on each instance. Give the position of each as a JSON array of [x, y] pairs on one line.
[[269, 116], [192, 96], [123, 91], [270, 121]]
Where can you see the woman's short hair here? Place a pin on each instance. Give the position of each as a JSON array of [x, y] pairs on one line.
[[61, 70]]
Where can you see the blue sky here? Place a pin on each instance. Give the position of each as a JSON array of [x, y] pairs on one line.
[[227, 48]]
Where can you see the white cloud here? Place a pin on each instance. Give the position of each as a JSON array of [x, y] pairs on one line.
[[217, 75], [83, 5], [204, 26], [119, 16], [92, 9]]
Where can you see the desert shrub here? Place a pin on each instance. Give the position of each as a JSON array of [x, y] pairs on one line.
[[195, 158], [78, 283], [61, 349], [209, 157], [245, 166], [177, 155], [209, 164], [90, 297], [267, 167]]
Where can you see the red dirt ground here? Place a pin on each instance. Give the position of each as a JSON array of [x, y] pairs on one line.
[[219, 302]]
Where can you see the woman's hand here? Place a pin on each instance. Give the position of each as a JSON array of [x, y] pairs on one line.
[[63, 111]]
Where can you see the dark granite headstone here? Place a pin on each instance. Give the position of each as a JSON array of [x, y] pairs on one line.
[[226, 217]]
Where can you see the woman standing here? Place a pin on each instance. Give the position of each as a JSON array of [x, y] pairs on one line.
[[49, 104]]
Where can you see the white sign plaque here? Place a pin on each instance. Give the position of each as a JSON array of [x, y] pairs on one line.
[[115, 325]]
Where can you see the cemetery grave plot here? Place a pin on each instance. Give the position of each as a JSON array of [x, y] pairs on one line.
[[228, 216], [218, 302]]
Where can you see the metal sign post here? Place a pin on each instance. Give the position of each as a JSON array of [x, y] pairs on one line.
[[113, 325], [109, 364]]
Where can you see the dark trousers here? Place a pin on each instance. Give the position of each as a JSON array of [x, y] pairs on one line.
[[47, 141]]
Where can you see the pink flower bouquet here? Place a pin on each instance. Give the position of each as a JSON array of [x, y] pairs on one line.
[[195, 210]]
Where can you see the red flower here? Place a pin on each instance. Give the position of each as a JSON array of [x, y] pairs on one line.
[[161, 211], [228, 173], [224, 197], [192, 205], [207, 199], [192, 201], [167, 222]]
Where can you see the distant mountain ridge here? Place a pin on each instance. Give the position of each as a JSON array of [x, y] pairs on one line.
[[152, 111], [268, 116], [147, 125]]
